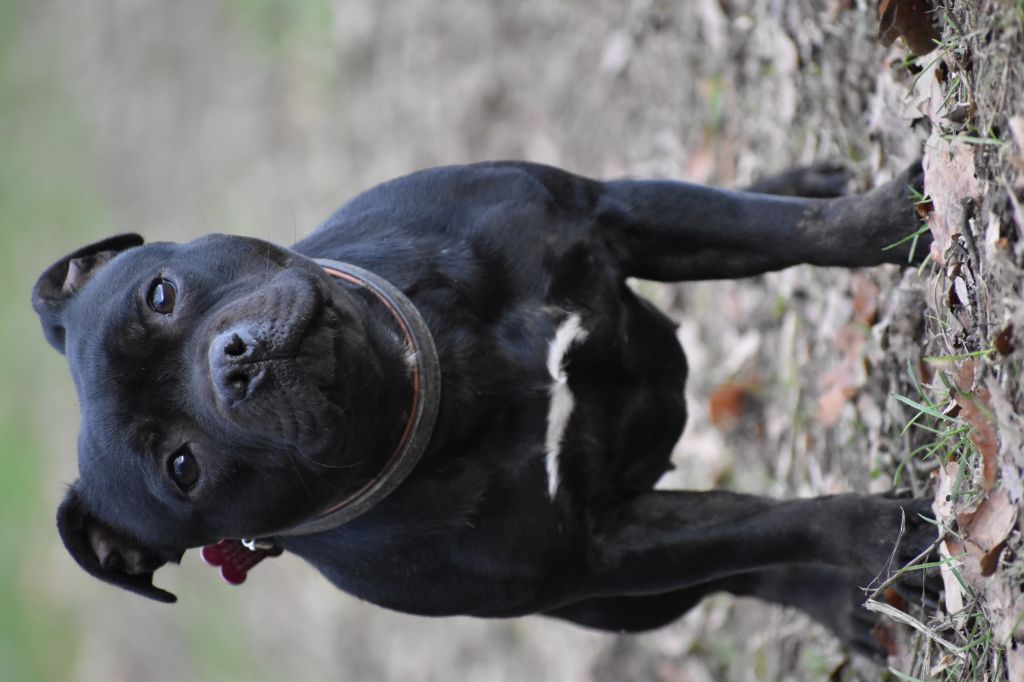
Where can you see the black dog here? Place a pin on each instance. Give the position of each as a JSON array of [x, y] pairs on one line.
[[465, 410]]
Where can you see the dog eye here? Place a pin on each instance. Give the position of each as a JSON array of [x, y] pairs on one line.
[[184, 469], [162, 296]]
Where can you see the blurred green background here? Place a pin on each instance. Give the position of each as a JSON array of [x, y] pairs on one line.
[[259, 117]]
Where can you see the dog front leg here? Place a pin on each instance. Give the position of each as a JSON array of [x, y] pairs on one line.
[[666, 540], [675, 231]]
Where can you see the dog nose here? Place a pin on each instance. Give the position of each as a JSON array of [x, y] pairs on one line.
[[234, 366], [234, 346]]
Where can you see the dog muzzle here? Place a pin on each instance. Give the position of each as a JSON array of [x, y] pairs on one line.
[[236, 556]]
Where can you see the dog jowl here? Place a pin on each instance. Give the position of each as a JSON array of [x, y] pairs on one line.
[[448, 401]]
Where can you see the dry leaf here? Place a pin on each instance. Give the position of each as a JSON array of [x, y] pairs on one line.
[[1005, 604], [949, 547], [912, 20], [1003, 341], [943, 505], [963, 375], [1011, 439], [865, 300], [976, 411], [925, 374], [886, 637], [949, 178], [894, 598], [849, 341], [730, 402], [841, 386], [928, 95], [843, 383], [954, 591], [831, 404], [924, 209], [985, 530]]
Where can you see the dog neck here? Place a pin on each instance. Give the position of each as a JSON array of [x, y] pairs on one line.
[[425, 371]]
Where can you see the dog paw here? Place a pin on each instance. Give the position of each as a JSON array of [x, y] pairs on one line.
[[861, 631], [895, 532], [835, 598], [893, 207], [881, 226], [823, 180]]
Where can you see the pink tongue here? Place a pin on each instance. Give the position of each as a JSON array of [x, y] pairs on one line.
[[235, 559]]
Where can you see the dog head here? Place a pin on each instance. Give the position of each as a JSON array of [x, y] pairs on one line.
[[218, 383]]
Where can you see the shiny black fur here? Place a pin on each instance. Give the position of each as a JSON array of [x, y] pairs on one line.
[[495, 256]]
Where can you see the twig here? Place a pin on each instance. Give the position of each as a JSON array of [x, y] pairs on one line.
[[906, 619], [913, 562]]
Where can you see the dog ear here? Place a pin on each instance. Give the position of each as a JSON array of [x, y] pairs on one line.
[[65, 278], [108, 554]]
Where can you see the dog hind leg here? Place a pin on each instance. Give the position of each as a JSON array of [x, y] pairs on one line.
[[828, 594], [661, 541]]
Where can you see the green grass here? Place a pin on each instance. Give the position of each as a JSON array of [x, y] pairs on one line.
[[974, 139], [902, 676], [947, 439]]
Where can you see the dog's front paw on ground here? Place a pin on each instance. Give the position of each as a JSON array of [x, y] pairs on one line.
[[861, 631], [906, 238], [901, 531]]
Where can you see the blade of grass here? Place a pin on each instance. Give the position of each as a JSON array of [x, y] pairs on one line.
[[930, 411]]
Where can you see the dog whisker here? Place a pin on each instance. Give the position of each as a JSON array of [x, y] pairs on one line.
[[324, 465], [298, 474]]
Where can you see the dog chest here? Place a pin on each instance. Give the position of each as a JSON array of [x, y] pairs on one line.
[[615, 400]]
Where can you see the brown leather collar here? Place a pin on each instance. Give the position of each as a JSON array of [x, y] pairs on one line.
[[426, 383]]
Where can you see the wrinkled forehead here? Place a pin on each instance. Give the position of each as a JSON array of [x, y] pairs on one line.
[[214, 258], [104, 321]]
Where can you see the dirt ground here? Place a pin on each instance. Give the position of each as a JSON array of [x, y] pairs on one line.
[[259, 118]]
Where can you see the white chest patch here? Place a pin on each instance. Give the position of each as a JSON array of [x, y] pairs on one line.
[[560, 409]]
